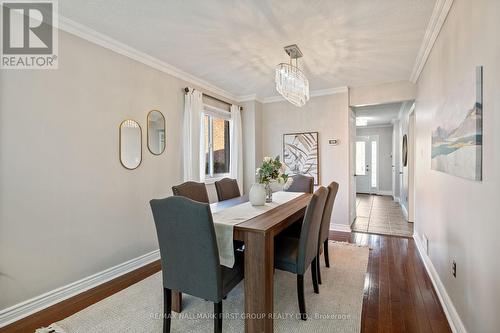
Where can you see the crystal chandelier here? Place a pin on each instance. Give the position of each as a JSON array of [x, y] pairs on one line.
[[291, 82]]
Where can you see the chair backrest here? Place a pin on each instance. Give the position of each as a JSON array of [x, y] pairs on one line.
[[227, 188], [192, 190], [308, 242], [333, 188], [301, 183], [188, 247]]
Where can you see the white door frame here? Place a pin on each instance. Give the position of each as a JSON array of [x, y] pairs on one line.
[[352, 166], [411, 164]]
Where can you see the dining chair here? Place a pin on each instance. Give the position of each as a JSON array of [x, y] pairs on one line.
[[301, 183], [296, 255], [190, 257], [227, 188], [192, 190], [324, 231]]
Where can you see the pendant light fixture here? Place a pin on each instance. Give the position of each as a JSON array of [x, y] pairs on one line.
[[291, 82]]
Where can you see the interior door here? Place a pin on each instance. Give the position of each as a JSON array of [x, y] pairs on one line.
[[363, 164]]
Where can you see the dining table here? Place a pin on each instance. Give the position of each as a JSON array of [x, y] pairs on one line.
[[258, 234]]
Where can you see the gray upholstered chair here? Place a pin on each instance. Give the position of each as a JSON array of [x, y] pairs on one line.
[[189, 255], [301, 183], [227, 188], [324, 231], [296, 255], [192, 190]]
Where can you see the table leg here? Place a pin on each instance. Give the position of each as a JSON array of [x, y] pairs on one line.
[[176, 301], [259, 282]]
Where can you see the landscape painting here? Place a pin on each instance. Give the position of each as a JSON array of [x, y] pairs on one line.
[[300, 154], [457, 135]]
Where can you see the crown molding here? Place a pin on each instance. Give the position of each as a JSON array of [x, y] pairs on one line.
[[438, 17], [251, 97], [109, 43], [330, 91], [273, 99], [314, 93]]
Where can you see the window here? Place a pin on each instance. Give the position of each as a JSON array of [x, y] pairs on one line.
[[374, 164], [217, 150], [360, 158]]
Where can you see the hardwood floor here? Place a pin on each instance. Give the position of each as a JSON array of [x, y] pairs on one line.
[[398, 294]]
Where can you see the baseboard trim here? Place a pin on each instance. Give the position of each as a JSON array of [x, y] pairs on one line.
[[26, 308], [340, 227], [384, 193], [377, 193], [450, 311], [396, 199]]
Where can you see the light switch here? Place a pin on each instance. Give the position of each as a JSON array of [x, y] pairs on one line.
[[334, 142]]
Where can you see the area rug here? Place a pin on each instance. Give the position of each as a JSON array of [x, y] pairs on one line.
[[138, 308]]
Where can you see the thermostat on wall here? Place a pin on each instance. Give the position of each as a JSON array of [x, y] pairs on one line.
[[333, 142]]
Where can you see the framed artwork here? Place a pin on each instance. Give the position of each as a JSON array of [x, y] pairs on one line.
[[457, 131], [301, 154]]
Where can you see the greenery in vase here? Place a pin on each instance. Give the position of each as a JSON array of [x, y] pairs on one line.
[[271, 170]]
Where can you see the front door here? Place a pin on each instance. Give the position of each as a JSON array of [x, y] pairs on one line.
[[366, 164], [362, 164]]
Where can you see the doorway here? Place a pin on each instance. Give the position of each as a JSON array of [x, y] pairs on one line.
[[383, 184]]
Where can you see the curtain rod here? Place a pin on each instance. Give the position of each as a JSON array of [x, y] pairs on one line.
[[186, 90]]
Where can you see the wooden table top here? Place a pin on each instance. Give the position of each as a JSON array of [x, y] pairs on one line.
[[270, 221]]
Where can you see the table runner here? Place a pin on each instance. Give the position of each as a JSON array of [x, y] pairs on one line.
[[226, 219]]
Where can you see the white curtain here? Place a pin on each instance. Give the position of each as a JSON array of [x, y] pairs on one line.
[[193, 138], [236, 165]]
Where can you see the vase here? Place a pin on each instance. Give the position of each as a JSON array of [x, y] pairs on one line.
[[257, 195], [269, 193]]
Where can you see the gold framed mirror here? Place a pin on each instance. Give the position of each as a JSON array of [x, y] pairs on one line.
[[156, 132], [130, 144]]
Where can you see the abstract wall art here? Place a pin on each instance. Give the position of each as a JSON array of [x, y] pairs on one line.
[[457, 131], [301, 154]]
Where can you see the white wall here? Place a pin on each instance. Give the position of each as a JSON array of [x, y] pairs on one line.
[[327, 115], [384, 134], [68, 209], [459, 216]]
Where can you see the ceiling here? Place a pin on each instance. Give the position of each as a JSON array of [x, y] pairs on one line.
[[382, 114], [235, 45]]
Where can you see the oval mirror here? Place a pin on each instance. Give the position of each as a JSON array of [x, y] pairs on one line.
[[156, 132], [130, 144]]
